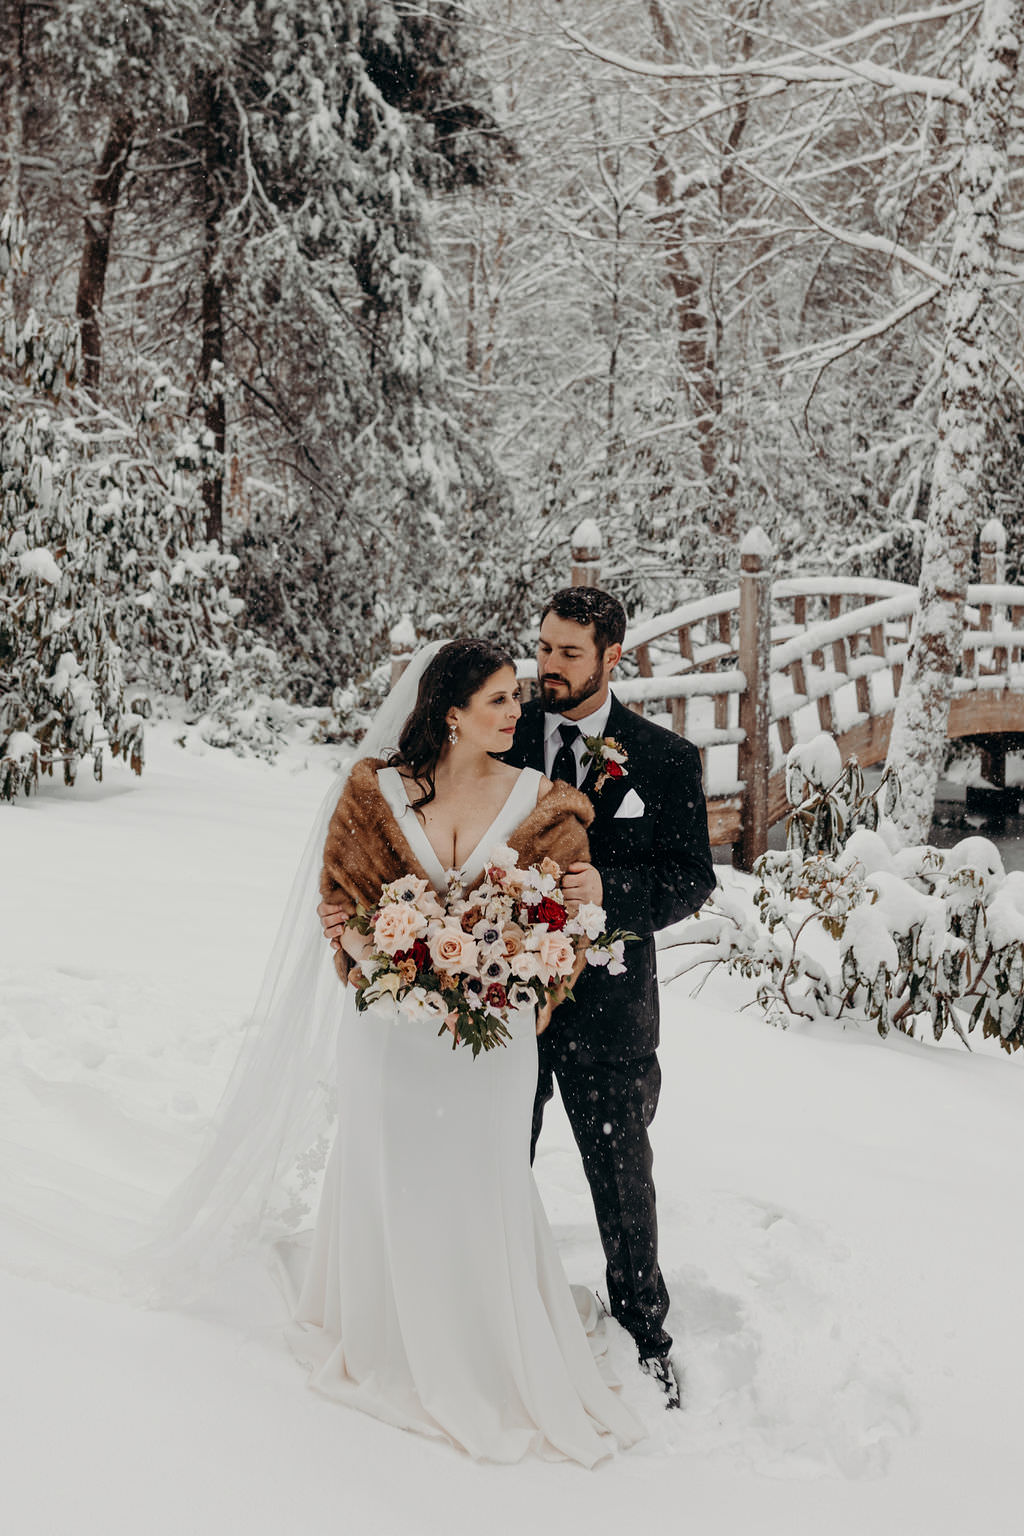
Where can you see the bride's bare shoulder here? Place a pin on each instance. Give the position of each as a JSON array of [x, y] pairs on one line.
[[544, 787], [502, 775]]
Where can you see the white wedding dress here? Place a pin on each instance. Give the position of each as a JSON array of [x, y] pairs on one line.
[[434, 1296]]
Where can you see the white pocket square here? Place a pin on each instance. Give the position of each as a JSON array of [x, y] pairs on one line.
[[631, 805]]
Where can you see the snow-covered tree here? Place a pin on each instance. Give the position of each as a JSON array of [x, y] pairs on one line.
[[697, 302], [960, 477], [358, 113], [253, 183]]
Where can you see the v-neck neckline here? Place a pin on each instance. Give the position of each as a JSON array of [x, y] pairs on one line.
[[428, 848]]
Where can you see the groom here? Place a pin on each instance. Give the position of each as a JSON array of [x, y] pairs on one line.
[[651, 866]]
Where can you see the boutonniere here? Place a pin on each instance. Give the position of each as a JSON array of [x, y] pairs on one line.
[[607, 756]]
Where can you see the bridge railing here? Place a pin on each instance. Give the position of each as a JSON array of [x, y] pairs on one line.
[[748, 672]]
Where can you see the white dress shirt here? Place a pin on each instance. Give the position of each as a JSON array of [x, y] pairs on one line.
[[591, 725]]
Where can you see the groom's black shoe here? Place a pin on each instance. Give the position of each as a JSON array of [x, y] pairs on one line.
[[664, 1373]]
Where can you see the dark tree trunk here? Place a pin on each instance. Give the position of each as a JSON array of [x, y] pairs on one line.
[[99, 225], [697, 322], [211, 374], [211, 357]]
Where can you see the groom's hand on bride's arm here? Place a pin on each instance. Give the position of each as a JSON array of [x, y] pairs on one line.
[[332, 920], [582, 882]]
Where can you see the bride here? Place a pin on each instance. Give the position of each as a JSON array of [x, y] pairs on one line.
[[434, 1297]]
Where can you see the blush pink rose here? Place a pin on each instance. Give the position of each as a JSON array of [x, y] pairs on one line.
[[556, 954], [524, 965], [452, 950], [397, 927], [512, 938]]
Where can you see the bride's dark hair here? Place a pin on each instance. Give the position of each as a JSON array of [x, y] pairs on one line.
[[460, 669]]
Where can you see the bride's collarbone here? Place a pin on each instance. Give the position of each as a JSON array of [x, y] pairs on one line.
[[460, 813]]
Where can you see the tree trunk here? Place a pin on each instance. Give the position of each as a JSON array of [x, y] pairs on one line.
[[697, 324], [697, 338], [211, 357], [211, 374], [13, 40], [959, 475], [99, 225]]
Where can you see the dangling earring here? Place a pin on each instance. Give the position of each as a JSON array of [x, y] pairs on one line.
[[453, 735]]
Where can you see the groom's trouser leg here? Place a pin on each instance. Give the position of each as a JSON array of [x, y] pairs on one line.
[[610, 1106], [545, 1089]]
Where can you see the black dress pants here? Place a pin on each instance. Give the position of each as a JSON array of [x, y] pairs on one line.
[[610, 1106]]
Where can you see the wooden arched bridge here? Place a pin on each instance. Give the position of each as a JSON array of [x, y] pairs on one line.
[[747, 672]]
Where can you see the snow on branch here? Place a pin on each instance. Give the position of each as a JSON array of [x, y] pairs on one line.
[[886, 24], [790, 72], [934, 88], [821, 353], [858, 239]]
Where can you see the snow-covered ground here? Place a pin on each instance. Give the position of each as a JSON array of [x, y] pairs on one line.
[[840, 1230]]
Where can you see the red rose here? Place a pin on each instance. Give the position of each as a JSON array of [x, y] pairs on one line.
[[613, 769], [552, 913], [419, 954], [496, 996]]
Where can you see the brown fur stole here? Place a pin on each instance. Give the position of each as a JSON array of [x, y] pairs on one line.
[[365, 847]]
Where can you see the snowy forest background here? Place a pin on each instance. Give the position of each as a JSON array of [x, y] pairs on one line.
[[320, 313]]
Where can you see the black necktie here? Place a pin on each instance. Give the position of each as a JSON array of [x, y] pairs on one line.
[[565, 757]]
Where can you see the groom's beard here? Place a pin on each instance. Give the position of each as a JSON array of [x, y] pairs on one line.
[[559, 700]]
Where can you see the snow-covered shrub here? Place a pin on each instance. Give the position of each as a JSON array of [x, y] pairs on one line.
[[238, 704], [912, 938], [62, 695], [45, 351], [177, 624], [829, 800], [107, 581]]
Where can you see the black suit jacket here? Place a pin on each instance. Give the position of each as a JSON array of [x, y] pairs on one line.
[[656, 869]]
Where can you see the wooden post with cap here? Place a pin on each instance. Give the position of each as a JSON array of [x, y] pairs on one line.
[[586, 555], [755, 701], [992, 570]]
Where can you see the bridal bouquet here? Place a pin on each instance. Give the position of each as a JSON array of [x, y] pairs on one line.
[[468, 958]]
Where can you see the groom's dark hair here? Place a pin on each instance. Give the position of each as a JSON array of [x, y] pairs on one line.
[[589, 605]]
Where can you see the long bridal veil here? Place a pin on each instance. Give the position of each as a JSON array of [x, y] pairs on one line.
[[256, 1177], [272, 1133]]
